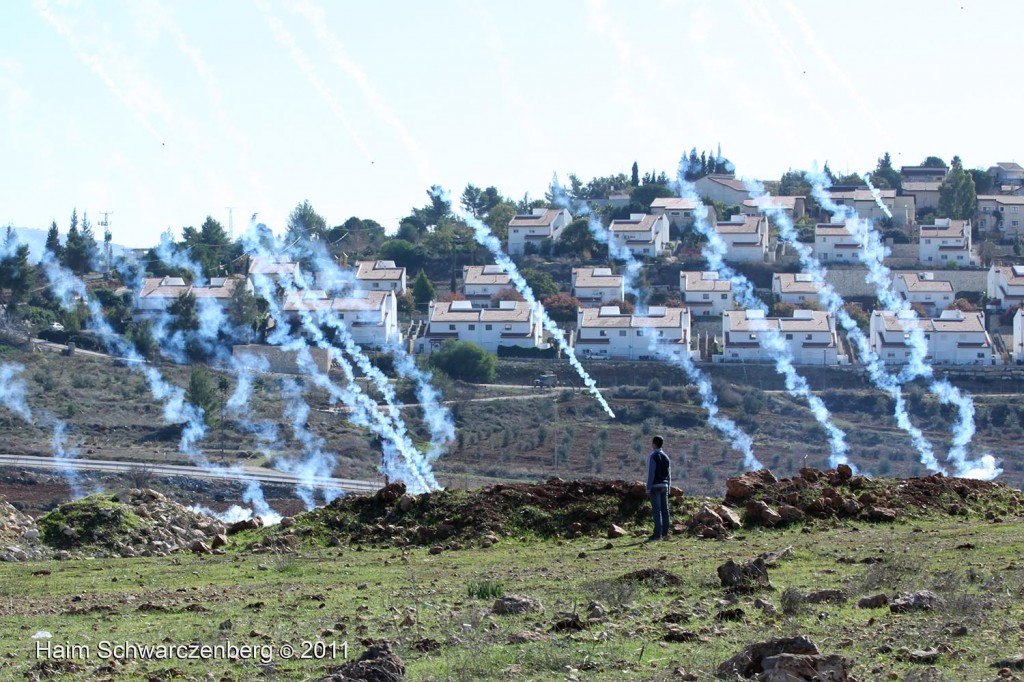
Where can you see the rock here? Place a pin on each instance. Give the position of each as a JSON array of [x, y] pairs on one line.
[[730, 614], [790, 514], [797, 667], [390, 492], [570, 624], [436, 549], [923, 656], [750, 661], [761, 513], [770, 558], [31, 534], [245, 524], [525, 636], [377, 664], [765, 606], [287, 522], [845, 472], [1015, 662], [200, 547], [406, 502], [515, 605], [827, 596], [219, 540], [728, 516], [874, 602], [616, 532], [809, 474], [595, 611], [916, 601], [749, 577], [740, 488], [881, 514], [677, 634], [676, 492], [850, 506]]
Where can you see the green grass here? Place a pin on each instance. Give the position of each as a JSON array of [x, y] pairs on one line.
[[407, 596]]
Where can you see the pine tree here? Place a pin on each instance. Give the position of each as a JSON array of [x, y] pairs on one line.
[[53, 244], [958, 198], [422, 289], [635, 180]]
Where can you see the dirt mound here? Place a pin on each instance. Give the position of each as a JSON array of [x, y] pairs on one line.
[[128, 523], [655, 577], [839, 493], [554, 508]]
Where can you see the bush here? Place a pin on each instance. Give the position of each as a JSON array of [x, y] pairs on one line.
[[465, 361]]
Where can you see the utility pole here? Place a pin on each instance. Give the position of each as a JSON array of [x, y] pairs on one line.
[[107, 237]]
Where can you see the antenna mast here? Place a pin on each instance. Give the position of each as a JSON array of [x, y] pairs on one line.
[[231, 223]]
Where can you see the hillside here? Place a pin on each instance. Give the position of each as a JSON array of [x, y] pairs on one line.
[[528, 583]]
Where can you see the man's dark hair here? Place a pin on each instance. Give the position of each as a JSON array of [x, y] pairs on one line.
[[657, 441]]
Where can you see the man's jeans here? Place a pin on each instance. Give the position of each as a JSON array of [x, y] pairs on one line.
[[659, 507]]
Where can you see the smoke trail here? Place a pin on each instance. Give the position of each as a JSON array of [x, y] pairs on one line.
[[737, 438], [768, 337], [12, 390], [876, 194], [65, 462], [437, 417], [401, 460], [872, 253], [833, 302], [483, 236]]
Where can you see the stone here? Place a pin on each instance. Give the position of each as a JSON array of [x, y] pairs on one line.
[[596, 611], [923, 600], [761, 513], [377, 664], [616, 531], [406, 502], [200, 547], [790, 514], [436, 549], [742, 487], [515, 605], [750, 661], [728, 516], [845, 472], [748, 577], [874, 602], [797, 667], [881, 514], [219, 540], [827, 596], [809, 474], [923, 656]]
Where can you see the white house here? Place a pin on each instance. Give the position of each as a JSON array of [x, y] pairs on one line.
[[953, 338], [514, 323], [947, 241], [810, 337], [1017, 352], [834, 243], [1005, 286], [279, 269], [158, 293], [926, 194], [933, 294], [1008, 173], [795, 207], [481, 282], [606, 332], [923, 173], [593, 286], [795, 288], [746, 237], [679, 211], [370, 316], [863, 201], [535, 227], [380, 275], [722, 187], [706, 294], [643, 234], [1001, 212]]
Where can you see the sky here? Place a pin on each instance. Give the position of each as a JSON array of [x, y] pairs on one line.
[[163, 112]]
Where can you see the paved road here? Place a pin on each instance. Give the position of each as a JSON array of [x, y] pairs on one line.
[[240, 473]]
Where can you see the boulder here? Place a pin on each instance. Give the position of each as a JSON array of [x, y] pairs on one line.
[[515, 605], [740, 488], [873, 602], [750, 661], [827, 596], [810, 667], [616, 531], [923, 600], [761, 513], [377, 664], [845, 472], [747, 577], [882, 514], [790, 514], [728, 516]]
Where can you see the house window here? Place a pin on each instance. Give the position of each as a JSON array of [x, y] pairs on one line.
[[341, 316], [1015, 223], [927, 241], [451, 327], [487, 327], [639, 332], [508, 327], [1015, 209], [706, 296], [981, 355], [472, 327], [724, 296], [603, 332], [376, 285], [808, 337], [622, 332], [789, 337]]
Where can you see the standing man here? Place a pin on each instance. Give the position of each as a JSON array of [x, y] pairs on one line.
[[659, 478]]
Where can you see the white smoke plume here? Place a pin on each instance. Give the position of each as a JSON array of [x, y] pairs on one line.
[[483, 236], [401, 460], [833, 302], [740, 441], [871, 254], [12, 390], [769, 337]]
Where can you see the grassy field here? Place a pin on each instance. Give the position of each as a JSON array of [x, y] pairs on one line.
[[435, 609]]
